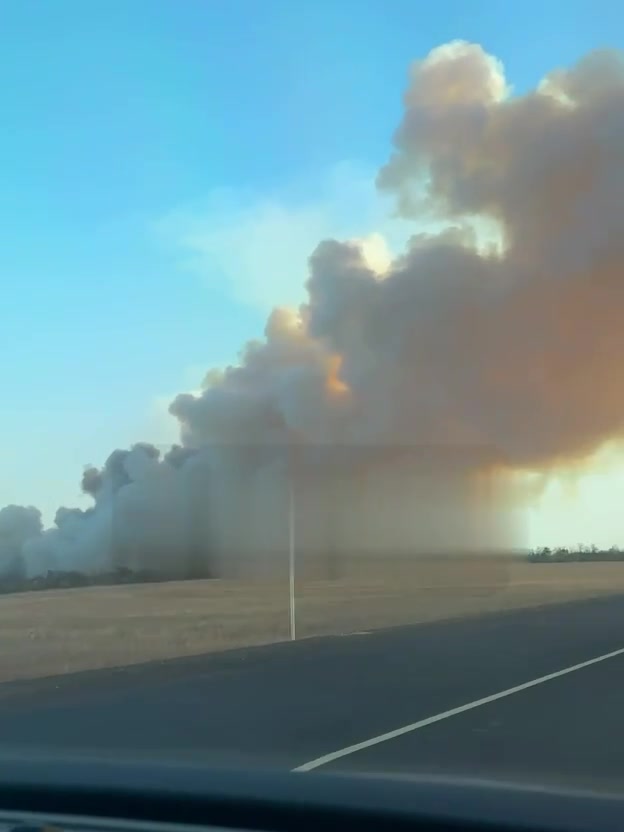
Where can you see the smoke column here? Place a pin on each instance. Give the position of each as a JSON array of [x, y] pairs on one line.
[[501, 336]]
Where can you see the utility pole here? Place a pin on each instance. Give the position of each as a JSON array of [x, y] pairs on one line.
[[291, 553]]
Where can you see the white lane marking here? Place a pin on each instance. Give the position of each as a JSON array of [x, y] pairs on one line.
[[422, 723]]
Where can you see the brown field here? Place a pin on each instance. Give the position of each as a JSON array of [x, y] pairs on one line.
[[60, 631]]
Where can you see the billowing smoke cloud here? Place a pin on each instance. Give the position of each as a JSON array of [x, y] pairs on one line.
[[18, 524], [502, 336]]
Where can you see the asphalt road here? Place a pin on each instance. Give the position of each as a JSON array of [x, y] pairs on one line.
[[288, 704]]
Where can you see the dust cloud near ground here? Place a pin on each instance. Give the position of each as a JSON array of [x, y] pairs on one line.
[[64, 631]]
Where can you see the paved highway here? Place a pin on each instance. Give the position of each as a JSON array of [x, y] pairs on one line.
[[307, 704]]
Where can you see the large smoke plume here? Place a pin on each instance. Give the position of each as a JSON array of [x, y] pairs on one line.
[[503, 335]]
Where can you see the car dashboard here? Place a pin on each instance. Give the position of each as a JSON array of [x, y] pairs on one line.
[[53, 795]]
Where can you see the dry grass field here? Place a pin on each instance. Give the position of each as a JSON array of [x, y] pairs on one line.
[[60, 631]]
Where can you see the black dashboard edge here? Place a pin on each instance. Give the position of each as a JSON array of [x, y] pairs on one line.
[[279, 801]]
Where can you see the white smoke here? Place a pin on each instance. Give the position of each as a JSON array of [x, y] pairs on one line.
[[509, 351]]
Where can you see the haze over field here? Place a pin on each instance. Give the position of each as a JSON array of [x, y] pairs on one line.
[[496, 342]]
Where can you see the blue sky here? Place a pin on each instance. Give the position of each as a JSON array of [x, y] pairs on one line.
[[143, 140]]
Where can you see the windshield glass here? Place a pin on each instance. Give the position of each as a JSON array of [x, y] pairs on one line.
[[311, 337]]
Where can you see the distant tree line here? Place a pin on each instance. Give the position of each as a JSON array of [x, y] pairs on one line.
[[562, 554], [60, 579]]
